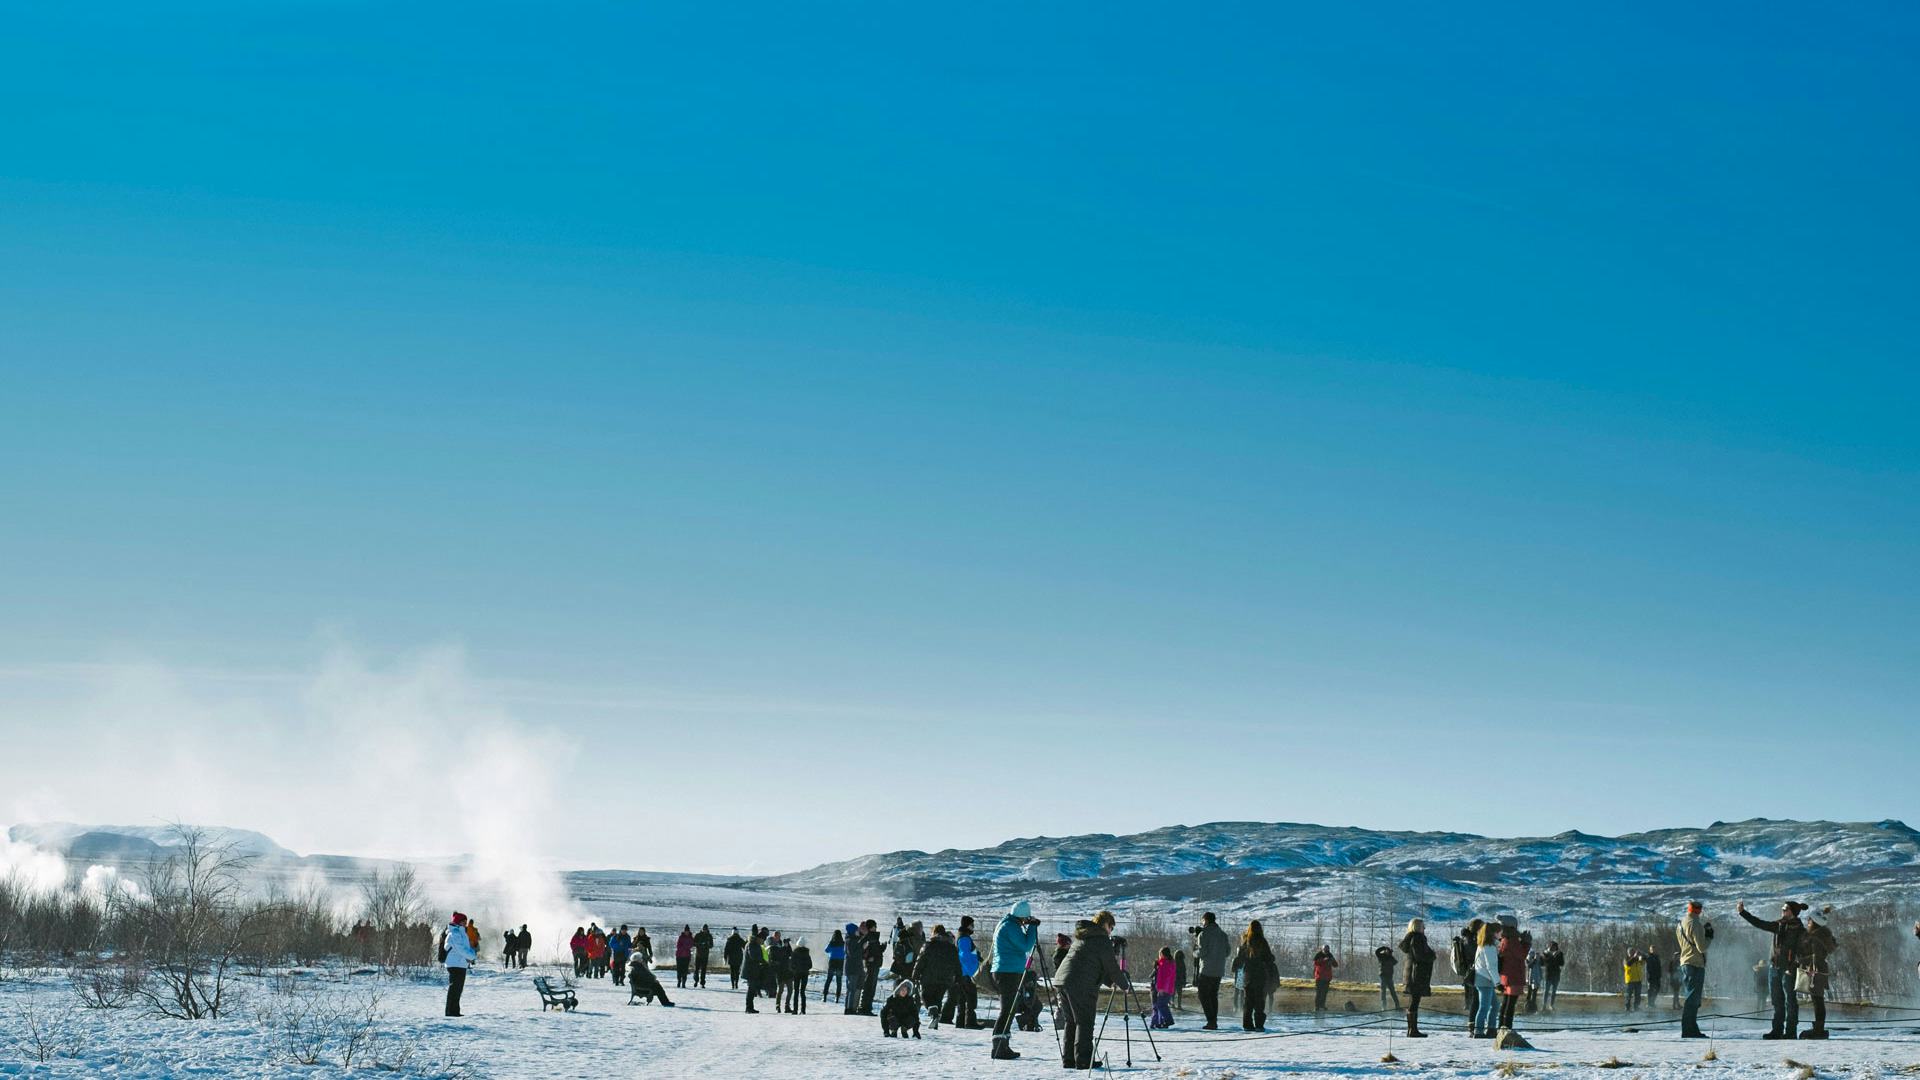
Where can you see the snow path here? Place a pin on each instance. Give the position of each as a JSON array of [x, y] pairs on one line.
[[504, 1034]]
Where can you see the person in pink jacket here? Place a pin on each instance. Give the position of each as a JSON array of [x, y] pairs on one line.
[[683, 954], [1165, 984]]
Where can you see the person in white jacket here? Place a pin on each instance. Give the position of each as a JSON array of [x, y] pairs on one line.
[[460, 955], [1486, 981]]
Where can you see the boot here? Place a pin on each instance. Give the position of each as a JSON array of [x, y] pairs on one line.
[[1003, 1051], [1815, 1032]]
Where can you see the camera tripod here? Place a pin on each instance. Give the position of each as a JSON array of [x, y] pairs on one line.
[[1121, 997]]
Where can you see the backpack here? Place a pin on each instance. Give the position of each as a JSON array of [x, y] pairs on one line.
[[1461, 957], [443, 946]]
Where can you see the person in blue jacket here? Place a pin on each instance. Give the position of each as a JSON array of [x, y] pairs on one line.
[[836, 951], [1013, 944], [963, 1001]]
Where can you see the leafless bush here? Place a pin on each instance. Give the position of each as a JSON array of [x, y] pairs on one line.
[[106, 982], [390, 931], [414, 1056], [43, 1033], [190, 927], [42, 923], [314, 1025]]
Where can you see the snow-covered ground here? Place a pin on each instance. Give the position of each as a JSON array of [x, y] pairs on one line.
[[505, 1034]]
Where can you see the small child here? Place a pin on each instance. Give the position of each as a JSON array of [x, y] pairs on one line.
[[1165, 982], [901, 1014]]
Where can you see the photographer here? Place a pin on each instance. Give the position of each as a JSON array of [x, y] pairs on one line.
[[1212, 951], [1090, 964], [1013, 943]]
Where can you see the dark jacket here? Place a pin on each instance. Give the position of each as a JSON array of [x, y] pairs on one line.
[[1815, 947], [856, 955], [939, 964], [876, 950], [1788, 936], [1654, 964], [802, 962], [1216, 950], [900, 1013], [703, 943], [1090, 963], [736, 948], [1419, 963], [1552, 961], [1259, 972], [1388, 961]]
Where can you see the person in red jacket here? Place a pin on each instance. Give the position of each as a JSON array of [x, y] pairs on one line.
[[1514, 947], [578, 943], [1323, 965], [596, 954]]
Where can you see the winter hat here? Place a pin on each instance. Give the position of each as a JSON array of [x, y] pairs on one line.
[[800, 944], [1022, 910], [852, 929], [459, 919]]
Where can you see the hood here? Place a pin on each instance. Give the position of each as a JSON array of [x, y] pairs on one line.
[[1087, 929]]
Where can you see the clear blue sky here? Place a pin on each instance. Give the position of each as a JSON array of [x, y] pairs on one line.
[[1257, 400]]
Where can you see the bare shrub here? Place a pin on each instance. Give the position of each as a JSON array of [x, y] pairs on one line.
[[191, 926], [106, 982], [310, 1024], [389, 932], [44, 1032]]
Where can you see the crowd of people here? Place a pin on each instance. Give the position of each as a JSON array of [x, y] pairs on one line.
[[935, 972]]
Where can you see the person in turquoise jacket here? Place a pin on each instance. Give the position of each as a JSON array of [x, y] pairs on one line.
[[1013, 944]]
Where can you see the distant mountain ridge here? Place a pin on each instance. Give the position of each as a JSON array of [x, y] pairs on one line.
[[1291, 869]]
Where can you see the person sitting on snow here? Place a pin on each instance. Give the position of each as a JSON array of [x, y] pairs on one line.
[[642, 983]]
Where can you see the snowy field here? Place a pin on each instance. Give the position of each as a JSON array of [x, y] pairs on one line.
[[504, 1034]]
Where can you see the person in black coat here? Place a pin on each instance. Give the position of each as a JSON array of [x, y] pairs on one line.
[[856, 977], [702, 949], [1419, 973], [1089, 965], [1388, 961], [934, 973], [754, 968], [1788, 934], [1258, 973], [875, 951], [799, 969], [900, 1016], [734, 952]]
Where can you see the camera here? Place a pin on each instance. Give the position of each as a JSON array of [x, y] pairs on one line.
[[1193, 930]]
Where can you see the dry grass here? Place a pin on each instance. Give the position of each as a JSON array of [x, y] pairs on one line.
[[1612, 1063]]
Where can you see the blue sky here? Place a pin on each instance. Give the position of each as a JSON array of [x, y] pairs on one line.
[[1256, 400]]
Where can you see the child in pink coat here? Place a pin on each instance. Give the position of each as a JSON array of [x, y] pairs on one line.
[[1165, 983]]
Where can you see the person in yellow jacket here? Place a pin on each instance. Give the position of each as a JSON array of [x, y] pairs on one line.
[[1635, 970]]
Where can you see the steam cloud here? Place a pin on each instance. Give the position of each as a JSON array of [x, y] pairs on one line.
[[410, 760]]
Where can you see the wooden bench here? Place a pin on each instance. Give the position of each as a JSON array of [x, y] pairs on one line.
[[551, 996]]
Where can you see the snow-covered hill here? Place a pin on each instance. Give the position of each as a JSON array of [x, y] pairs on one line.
[[1298, 870]]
